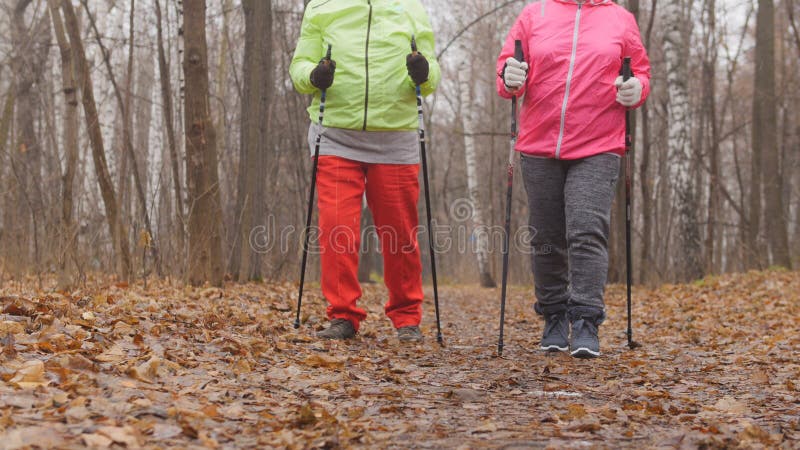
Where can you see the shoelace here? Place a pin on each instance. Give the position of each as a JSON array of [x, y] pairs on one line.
[[581, 324], [551, 322], [343, 325]]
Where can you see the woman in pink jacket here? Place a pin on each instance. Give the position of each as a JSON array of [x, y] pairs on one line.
[[571, 138]]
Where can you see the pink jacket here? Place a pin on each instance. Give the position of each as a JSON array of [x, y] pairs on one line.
[[574, 50]]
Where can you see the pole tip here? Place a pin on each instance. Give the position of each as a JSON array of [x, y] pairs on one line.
[[296, 324], [413, 44]]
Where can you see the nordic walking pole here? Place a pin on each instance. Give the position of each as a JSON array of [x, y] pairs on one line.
[[519, 56], [424, 160], [311, 198], [626, 74]]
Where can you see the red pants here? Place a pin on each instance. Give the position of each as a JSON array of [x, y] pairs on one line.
[[392, 192]]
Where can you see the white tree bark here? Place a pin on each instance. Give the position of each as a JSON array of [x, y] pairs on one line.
[[480, 231], [689, 260]]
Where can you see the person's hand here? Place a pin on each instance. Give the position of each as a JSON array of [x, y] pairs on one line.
[[629, 92], [417, 67], [514, 74], [322, 75]]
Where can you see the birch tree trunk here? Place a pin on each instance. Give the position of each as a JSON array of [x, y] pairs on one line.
[[710, 112], [688, 260], [70, 130], [205, 214], [480, 231], [96, 138], [167, 113]]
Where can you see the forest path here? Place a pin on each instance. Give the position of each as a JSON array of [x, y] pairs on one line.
[[168, 366]]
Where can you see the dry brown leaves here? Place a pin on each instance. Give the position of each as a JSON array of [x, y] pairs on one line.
[[120, 366]]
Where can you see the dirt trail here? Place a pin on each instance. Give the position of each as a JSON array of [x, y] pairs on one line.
[[170, 366]]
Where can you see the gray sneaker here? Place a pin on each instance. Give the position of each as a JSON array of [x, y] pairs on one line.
[[409, 334], [585, 343], [556, 333], [339, 329]]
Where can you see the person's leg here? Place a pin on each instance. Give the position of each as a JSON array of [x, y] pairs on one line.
[[544, 183], [589, 192], [341, 188], [392, 193]]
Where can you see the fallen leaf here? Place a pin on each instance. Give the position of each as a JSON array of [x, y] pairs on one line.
[[147, 371], [305, 416], [574, 411], [125, 435], [76, 414], [96, 440], [30, 375], [587, 427], [32, 437], [114, 354], [320, 360], [486, 427], [11, 327], [730, 405], [162, 431]]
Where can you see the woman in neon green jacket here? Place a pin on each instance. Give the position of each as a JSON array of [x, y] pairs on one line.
[[368, 145]]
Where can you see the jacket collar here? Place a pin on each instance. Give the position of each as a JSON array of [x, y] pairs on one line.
[[587, 2]]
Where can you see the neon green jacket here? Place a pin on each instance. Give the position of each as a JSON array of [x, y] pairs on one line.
[[370, 39]]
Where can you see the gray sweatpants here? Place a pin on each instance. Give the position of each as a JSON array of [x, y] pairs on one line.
[[570, 210]]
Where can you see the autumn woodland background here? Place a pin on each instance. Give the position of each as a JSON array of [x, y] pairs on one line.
[[153, 185], [129, 146]]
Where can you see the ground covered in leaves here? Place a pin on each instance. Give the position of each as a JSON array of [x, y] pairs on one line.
[[112, 366]]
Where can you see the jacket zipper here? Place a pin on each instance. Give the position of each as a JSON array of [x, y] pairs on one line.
[[569, 78], [366, 67]]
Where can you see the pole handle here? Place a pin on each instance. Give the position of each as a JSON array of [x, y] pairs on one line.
[[518, 54], [626, 68]]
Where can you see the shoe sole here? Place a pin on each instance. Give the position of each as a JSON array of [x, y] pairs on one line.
[[583, 352], [554, 348]]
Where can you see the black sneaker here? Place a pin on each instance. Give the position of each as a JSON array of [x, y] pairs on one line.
[[409, 334], [339, 329], [585, 343], [556, 333]]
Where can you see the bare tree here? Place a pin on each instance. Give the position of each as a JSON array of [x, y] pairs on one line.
[[70, 130], [479, 225], [205, 212], [764, 141], [253, 152], [167, 113], [127, 122], [31, 46], [96, 138]]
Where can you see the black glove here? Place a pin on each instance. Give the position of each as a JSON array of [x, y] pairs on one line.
[[322, 75], [417, 67]]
